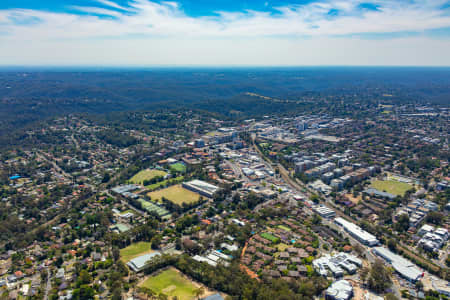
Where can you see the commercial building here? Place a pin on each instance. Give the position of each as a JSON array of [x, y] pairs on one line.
[[199, 143], [125, 190], [402, 266], [337, 184], [213, 258], [339, 290], [248, 171], [432, 240], [377, 193], [337, 264], [441, 286], [201, 187], [325, 212], [231, 248], [356, 232], [318, 185], [327, 177], [425, 229], [204, 259], [138, 264]]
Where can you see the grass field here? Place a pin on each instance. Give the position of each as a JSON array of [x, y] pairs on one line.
[[135, 250], [171, 283], [176, 194], [391, 186], [146, 175], [178, 167], [154, 186]]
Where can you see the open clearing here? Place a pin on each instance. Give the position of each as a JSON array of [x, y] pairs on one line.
[[391, 186], [354, 200], [176, 194], [135, 250], [172, 283], [146, 175]]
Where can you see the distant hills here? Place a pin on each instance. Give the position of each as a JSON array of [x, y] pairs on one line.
[[29, 95]]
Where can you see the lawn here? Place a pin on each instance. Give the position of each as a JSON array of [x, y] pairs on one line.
[[178, 167], [284, 227], [172, 283], [270, 237], [176, 194], [282, 247], [391, 186], [135, 250], [146, 175], [212, 133]]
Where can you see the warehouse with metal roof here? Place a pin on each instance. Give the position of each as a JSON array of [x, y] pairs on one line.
[[401, 265], [201, 187], [138, 264], [356, 232]]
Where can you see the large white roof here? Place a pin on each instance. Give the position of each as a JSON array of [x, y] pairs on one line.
[[403, 266]]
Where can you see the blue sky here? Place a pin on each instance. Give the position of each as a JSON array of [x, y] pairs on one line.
[[191, 7], [219, 32]]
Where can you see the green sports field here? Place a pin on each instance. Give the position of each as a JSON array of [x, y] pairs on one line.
[[146, 175], [178, 167], [176, 194], [391, 186], [172, 283], [135, 250]]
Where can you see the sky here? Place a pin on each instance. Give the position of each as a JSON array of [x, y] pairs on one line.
[[224, 33]]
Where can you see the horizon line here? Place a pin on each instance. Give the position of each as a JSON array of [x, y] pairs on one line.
[[237, 66]]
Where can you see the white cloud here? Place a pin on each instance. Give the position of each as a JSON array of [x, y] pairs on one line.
[[154, 28], [168, 19], [113, 4], [97, 11]]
